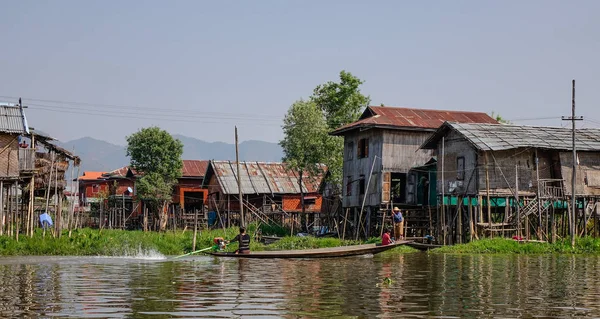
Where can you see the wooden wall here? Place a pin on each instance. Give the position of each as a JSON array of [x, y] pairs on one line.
[[502, 168], [356, 167], [9, 156], [401, 150], [588, 173]]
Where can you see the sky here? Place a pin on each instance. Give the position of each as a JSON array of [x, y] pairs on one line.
[[105, 69]]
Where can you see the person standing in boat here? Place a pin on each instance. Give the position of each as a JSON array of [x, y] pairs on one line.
[[244, 242], [398, 220]]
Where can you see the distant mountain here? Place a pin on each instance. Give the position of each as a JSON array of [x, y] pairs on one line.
[[97, 155]]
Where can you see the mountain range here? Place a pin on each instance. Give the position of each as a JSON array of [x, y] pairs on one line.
[[98, 155]]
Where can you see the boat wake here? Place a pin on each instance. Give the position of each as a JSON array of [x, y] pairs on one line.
[[139, 254]]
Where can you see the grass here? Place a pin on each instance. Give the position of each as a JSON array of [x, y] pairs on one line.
[[93, 242], [584, 245]]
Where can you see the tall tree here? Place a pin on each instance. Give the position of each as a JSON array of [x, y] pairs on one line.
[[306, 140], [156, 155], [341, 103]]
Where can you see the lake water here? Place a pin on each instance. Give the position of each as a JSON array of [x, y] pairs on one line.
[[422, 285]]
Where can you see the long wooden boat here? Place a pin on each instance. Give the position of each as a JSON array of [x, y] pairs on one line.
[[422, 246], [342, 251]]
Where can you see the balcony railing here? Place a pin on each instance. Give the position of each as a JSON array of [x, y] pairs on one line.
[[26, 159], [552, 188]]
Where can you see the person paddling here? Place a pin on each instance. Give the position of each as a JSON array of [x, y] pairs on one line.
[[398, 224], [244, 240]]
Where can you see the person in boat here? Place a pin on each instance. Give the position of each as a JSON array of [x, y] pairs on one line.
[[244, 240], [386, 239], [398, 220]]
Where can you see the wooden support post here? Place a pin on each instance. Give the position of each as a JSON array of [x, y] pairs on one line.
[[459, 206], [345, 221], [17, 212], [470, 212], [487, 193], [2, 216]]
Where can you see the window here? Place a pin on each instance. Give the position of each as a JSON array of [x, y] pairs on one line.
[[350, 151], [95, 188], [460, 168], [349, 186], [310, 200], [363, 148], [361, 185]]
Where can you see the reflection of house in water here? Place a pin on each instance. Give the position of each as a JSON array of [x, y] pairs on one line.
[[381, 149], [489, 168]]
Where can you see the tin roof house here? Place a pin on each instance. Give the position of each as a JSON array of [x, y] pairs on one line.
[[380, 150], [267, 188], [510, 164]]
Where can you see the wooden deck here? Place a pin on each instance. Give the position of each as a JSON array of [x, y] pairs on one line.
[[342, 251]]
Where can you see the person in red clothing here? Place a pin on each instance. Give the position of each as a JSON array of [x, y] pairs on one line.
[[386, 239]]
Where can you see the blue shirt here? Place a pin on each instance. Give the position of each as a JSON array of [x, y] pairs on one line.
[[398, 217]]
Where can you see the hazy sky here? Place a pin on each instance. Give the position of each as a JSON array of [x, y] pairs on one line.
[[107, 68]]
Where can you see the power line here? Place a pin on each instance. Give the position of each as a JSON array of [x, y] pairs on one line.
[[132, 107]]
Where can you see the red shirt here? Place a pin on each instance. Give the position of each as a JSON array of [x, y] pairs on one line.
[[386, 240]]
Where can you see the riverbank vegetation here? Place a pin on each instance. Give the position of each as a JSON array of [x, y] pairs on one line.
[[94, 242], [584, 245]]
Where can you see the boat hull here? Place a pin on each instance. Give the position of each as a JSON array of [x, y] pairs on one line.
[[421, 246], [335, 252]]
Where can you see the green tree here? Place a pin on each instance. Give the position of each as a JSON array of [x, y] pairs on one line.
[[155, 155], [341, 103], [306, 140], [499, 118]]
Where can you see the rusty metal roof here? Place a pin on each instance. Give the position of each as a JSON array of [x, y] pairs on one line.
[[194, 168], [119, 172], [261, 178], [498, 137], [410, 118], [12, 120]]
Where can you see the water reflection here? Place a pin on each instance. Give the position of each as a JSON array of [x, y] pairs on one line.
[[421, 286]]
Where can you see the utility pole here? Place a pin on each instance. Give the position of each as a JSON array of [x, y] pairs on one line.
[[239, 180], [573, 118]]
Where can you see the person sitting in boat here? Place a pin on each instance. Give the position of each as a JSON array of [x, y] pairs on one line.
[[386, 239], [398, 220], [244, 240]]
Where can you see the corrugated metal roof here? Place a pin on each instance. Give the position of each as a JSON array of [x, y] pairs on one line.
[[401, 117], [497, 137], [119, 172], [194, 168], [12, 120], [262, 178]]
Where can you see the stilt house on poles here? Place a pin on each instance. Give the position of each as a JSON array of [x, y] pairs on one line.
[[26, 173], [270, 193], [514, 180], [382, 161]]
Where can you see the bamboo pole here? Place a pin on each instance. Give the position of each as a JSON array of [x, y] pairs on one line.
[[470, 209], [345, 221], [487, 194], [17, 212], [443, 212], [2, 217], [58, 221], [49, 184]]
